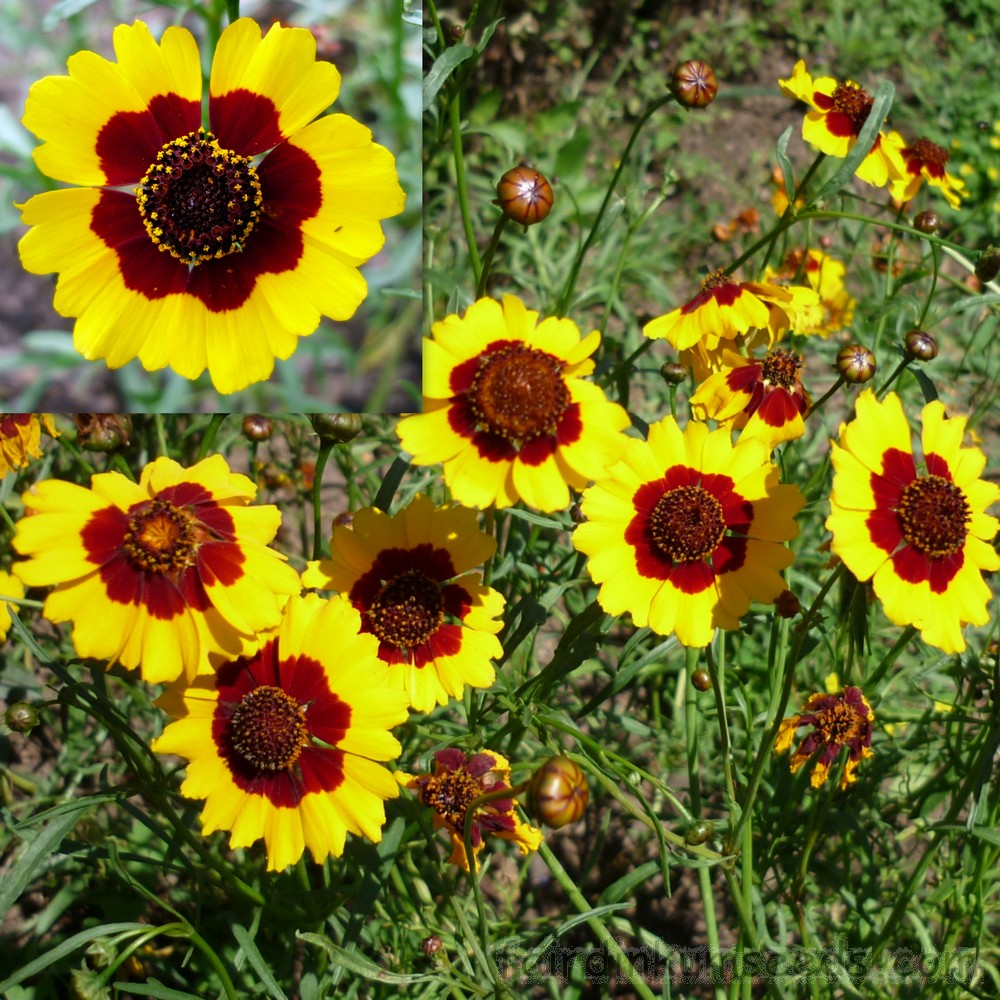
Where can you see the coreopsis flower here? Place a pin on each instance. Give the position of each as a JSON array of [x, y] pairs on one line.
[[10, 586], [21, 437], [839, 112], [915, 523], [411, 577], [839, 722], [725, 309], [833, 309], [456, 782], [508, 410], [687, 529], [183, 246], [763, 399], [158, 574], [925, 161], [285, 744]]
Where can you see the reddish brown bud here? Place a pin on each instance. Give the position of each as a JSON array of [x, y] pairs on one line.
[[257, 427], [920, 346], [525, 195], [927, 222], [787, 605], [558, 793], [694, 84], [988, 264], [431, 945], [856, 363], [702, 679]]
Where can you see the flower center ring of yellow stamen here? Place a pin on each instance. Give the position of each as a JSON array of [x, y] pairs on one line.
[[519, 394], [407, 610], [933, 516], [781, 368], [268, 729], [838, 724], [687, 523], [199, 201], [854, 102], [450, 795], [161, 538]]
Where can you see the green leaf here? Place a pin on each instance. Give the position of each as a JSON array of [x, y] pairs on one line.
[[257, 962], [154, 988], [781, 155], [926, 385], [450, 60], [355, 962], [37, 852], [884, 94], [66, 948], [627, 883]]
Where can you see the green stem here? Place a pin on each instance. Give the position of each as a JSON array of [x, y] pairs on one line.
[[592, 235], [896, 372], [462, 186], [233, 10], [317, 492], [826, 395], [603, 934], [484, 277], [209, 439]]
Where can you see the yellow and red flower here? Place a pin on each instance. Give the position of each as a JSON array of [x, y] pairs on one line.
[[925, 161], [840, 722], [725, 309], [687, 529], [182, 246], [284, 744], [839, 112], [763, 399], [21, 437], [160, 573], [411, 577], [456, 782], [833, 309], [919, 532], [507, 408], [10, 586]]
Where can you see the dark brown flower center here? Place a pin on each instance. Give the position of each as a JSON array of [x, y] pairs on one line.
[[199, 201], [717, 279], [781, 368], [450, 794], [852, 101], [161, 538], [519, 394], [687, 523], [929, 153], [934, 516], [407, 610], [838, 724], [268, 729]]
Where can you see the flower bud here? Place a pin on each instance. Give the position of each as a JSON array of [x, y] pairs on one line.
[[431, 945], [702, 679], [694, 84], [787, 605], [673, 372], [920, 346], [576, 514], [856, 363], [102, 431], [927, 222], [257, 427], [698, 832], [988, 264], [525, 195], [558, 793], [338, 428], [21, 717]]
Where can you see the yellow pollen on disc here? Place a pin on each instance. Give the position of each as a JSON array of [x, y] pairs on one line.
[[687, 523], [268, 729]]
